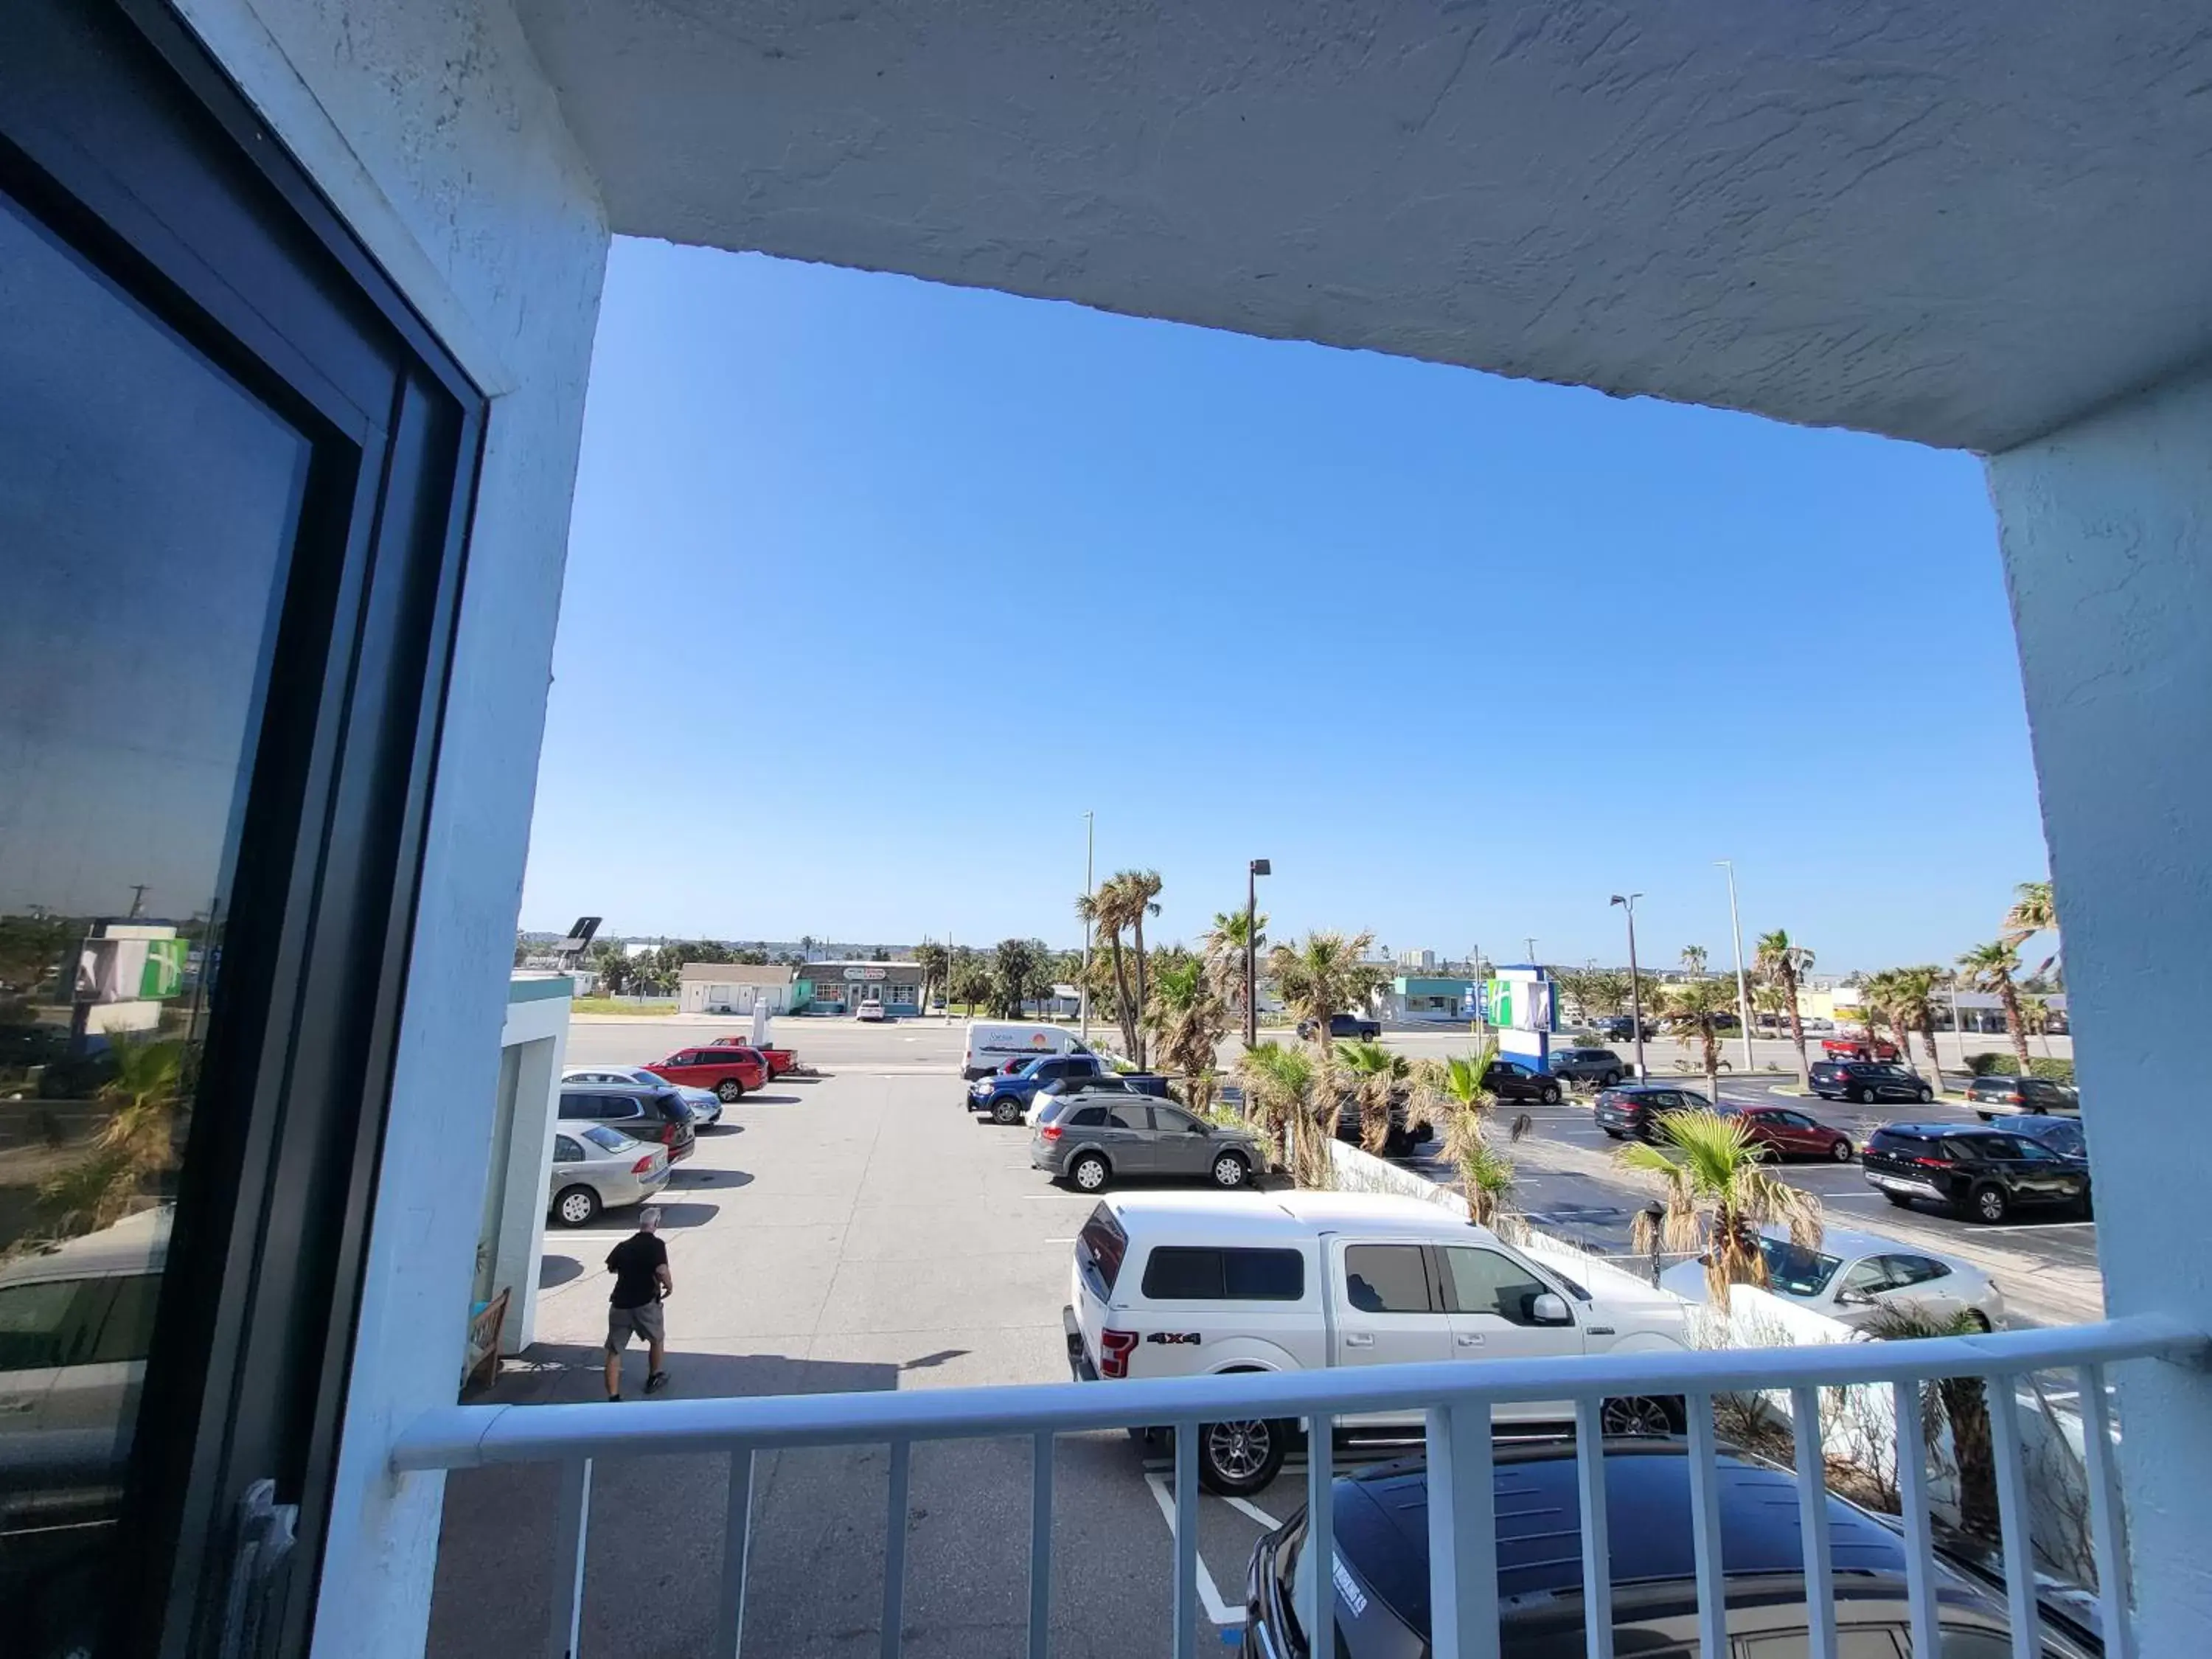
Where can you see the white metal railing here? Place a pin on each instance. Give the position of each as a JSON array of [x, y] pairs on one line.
[[1455, 1399]]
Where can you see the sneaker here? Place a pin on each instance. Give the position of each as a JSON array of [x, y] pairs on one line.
[[656, 1383]]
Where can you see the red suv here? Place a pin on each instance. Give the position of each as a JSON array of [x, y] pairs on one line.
[[728, 1071], [1846, 1045]]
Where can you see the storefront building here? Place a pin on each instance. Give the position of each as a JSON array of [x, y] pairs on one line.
[[840, 988]]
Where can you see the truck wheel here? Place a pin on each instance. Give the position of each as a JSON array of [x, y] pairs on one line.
[[1089, 1173], [1236, 1460], [1006, 1111], [1642, 1415]]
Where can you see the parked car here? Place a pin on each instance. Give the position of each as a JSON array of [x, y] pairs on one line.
[[1854, 1045], [779, 1060], [1983, 1173], [1509, 1079], [706, 1105], [1356, 1027], [1787, 1132], [2062, 1135], [727, 1072], [596, 1167], [1005, 1098], [1634, 1108], [1599, 1066], [1993, 1096], [1379, 1567], [1118, 1083], [1093, 1140], [654, 1115], [1853, 1276], [1183, 1285], [1621, 1027], [991, 1043], [1862, 1080]]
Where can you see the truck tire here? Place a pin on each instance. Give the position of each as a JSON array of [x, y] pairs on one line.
[[1008, 1110], [1236, 1460]]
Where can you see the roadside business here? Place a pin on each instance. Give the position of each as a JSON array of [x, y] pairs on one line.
[[840, 988]]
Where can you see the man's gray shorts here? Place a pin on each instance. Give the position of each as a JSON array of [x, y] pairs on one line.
[[624, 1322]]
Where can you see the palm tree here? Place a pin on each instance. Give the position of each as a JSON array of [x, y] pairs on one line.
[[1694, 959], [1963, 1401], [1223, 948], [934, 965], [1378, 1076], [1116, 906], [1142, 889], [1878, 996], [1486, 1175], [1282, 1087], [1912, 1006], [2032, 912], [1696, 1009], [133, 1149], [1990, 967], [1322, 976], [1718, 1194], [1783, 964], [1190, 1019]]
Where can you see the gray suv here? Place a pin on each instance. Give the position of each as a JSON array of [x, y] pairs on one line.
[[1096, 1138], [1599, 1066]]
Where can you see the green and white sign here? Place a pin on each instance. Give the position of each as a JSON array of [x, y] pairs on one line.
[[163, 973]]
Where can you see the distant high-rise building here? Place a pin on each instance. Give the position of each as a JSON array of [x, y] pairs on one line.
[[1423, 960]]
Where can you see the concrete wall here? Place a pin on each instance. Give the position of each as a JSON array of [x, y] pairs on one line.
[[429, 125], [537, 1035], [2106, 529]]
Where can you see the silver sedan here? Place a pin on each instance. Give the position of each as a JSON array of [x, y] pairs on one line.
[[706, 1105], [596, 1168]]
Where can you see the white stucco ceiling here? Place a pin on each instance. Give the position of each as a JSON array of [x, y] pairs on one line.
[[1958, 223]]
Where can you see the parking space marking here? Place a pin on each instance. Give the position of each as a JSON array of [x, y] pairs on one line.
[[1246, 1506], [1216, 1609]]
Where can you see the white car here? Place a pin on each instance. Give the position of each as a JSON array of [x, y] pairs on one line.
[[1179, 1284], [1853, 1276], [869, 1013], [706, 1105]]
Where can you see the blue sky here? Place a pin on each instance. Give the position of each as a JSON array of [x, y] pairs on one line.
[[874, 587]]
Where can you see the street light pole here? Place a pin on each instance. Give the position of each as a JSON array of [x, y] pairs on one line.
[[1743, 994], [1089, 841], [1531, 944], [1252, 871], [1635, 980]]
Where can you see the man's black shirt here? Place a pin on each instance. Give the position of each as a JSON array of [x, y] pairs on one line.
[[633, 1263]]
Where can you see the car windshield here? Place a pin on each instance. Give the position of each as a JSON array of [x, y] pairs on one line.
[[1795, 1271], [599, 1135]]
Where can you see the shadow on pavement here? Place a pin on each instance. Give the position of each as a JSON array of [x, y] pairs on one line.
[[691, 1179], [619, 1224], [558, 1270]]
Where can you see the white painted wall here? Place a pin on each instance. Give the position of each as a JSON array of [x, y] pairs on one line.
[[2107, 536], [538, 1030], [428, 124]]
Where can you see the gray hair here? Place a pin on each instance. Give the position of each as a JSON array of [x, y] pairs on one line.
[[650, 1217]]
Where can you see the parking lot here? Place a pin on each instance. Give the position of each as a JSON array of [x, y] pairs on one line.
[[859, 1232]]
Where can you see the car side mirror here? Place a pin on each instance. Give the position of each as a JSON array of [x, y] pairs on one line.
[[1550, 1309]]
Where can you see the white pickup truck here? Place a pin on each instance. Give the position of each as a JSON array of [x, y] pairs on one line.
[[1174, 1285]]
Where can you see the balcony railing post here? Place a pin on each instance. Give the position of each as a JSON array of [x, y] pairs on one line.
[[1320, 1533], [1813, 1522], [1463, 1533], [572, 1524], [1186, 1541], [1597, 1545], [737, 1551], [2113, 1612], [1706, 1524], [1919, 1532], [894, 1632], [1040, 1546], [2014, 1519]]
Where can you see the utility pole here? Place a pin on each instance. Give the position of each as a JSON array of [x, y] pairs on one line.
[[1743, 994], [1089, 842], [1635, 980], [138, 897], [1531, 944]]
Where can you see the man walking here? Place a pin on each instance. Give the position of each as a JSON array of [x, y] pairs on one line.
[[639, 1265]]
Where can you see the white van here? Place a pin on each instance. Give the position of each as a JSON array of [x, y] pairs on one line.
[[1183, 1285], [991, 1044]]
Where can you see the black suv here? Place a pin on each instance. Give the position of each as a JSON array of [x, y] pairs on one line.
[[1621, 1027], [1599, 1066], [1862, 1080], [1635, 1109], [656, 1114], [1979, 1173], [1990, 1097], [1382, 1565], [1510, 1080], [1346, 1025]]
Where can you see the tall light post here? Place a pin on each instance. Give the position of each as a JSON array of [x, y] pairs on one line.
[[1742, 992], [1083, 991], [1252, 871], [1635, 981], [1531, 944]]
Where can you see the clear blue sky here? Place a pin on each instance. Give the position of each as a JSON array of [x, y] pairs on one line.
[[874, 587]]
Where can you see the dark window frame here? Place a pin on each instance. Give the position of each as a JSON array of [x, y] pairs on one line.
[[122, 141]]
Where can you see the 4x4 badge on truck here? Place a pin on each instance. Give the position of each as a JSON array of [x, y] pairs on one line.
[[1191, 1337]]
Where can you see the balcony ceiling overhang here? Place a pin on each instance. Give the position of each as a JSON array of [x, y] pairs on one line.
[[1959, 224]]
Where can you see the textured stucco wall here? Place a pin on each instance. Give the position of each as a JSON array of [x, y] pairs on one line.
[[540, 1029], [2107, 534], [429, 125], [1961, 224]]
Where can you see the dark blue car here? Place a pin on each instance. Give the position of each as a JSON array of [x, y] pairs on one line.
[[1005, 1097]]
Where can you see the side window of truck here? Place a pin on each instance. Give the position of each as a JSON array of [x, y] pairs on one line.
[[1388, 1278]]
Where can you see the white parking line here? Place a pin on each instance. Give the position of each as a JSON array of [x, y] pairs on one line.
[[1245, 1506], [1216, 1609]]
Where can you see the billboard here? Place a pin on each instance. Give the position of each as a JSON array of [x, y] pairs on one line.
[[138, 970]]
